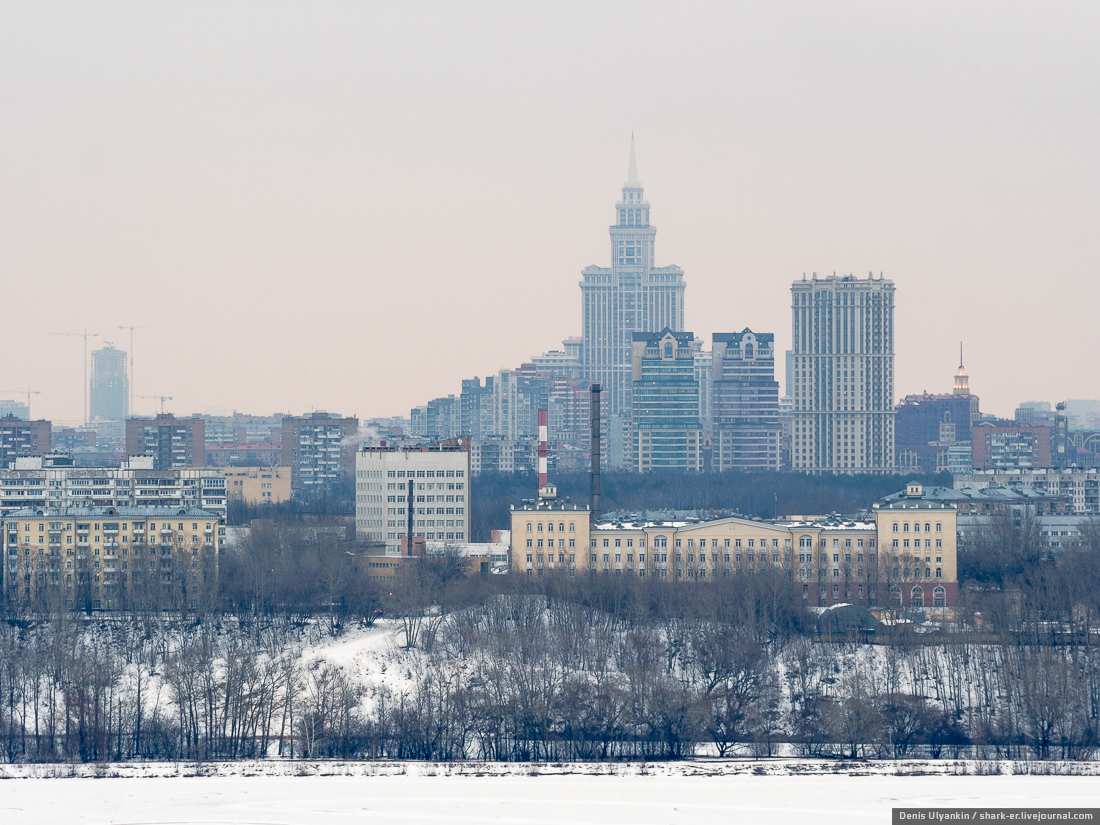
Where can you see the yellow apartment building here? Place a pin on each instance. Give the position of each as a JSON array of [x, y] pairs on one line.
[[258, 485], [109, 558]]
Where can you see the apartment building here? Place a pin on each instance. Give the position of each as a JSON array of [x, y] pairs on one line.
[[843, 365], [319, 448], [427, 489], [745, 401], [172, 442], [257, 485], [1081, 488], [23, 438], [665, 403], [1010, 447], [109, 558], [501, 455], [53, 481]]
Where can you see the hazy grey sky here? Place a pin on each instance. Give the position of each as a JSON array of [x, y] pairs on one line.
[[352, 206]]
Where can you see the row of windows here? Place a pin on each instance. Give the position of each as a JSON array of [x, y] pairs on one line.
[[426, 474], [916, 527], [550, 527], [109, 526], [550, 542]]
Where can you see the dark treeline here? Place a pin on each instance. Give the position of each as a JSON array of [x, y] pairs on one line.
[[557, 667], [751, 494], [575, 669]]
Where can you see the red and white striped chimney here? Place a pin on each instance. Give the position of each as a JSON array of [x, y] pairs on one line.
[[542, 449]]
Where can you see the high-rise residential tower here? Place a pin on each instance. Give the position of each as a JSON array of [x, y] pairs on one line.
[[319, 448], [745, 405], [632, 295], [172, 442], [843, 361], [665, 397], [109, 393]]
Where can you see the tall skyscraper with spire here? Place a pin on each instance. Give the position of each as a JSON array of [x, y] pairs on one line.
[[632, 295]]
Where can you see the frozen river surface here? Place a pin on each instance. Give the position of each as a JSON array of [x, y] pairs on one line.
[[523, 800]]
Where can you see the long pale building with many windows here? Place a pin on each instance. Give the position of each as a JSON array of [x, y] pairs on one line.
[[843, 364], [427, 488], [901, 555]]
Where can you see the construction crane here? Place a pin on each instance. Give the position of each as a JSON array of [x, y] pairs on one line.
[[86, 335], [131, 376], [161, 398], [29, 393]]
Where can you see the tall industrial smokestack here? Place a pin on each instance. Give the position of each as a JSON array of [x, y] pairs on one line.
[[542, 450], [595, 452], [409, 511]]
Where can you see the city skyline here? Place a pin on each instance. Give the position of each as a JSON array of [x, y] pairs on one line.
[[282, 209]]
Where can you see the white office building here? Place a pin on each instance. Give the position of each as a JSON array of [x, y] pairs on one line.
[[429, 485]]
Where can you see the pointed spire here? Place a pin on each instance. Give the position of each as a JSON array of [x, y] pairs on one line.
[[632, 169], [960, 356]]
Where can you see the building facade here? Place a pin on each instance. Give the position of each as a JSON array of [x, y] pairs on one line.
[[932, 431], [927, 426], [430, 486], [1010, 447], [664, 416], [110, 558], [843, 362], [902, 556], [53, 481], [744, 402], [475, 404], [319, 449], [257, 485], [20, 438], [632, 295], [171, 442], [243, 455], [1080, 488], [109, 386], [241, 428], [499, 455], [16, 409]]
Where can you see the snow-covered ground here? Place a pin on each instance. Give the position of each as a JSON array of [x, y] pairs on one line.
[[660, 798]]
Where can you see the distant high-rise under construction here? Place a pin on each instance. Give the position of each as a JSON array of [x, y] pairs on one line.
[[109, 390]]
